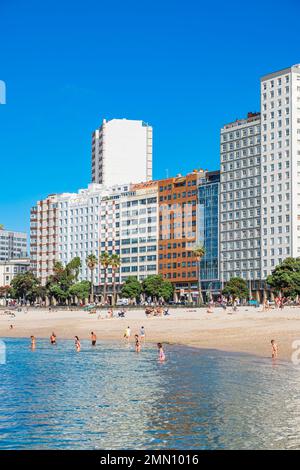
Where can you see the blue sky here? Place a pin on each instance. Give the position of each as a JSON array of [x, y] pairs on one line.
[[185, 67]]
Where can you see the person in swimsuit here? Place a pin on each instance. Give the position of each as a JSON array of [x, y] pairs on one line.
[[93, 338], [77, 344], [33, 342], [138, 345], [161, 353], [142, 334], [53, 338], [274, 349], [127, 333]]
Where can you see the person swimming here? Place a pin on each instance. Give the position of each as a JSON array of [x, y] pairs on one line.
[[77, 344], [138, 345], [53, 338], [274, 349], [161, 353], [93, 338]]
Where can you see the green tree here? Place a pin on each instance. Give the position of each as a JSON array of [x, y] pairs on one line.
[[92, 262], [155, 286], [63, 277], [115, 263], [285, 278], [132, 288], [80, 290], [105, 263], [61, 295], [4, 290], [198, 253], [73, 267], [236, 287], [24, 286]]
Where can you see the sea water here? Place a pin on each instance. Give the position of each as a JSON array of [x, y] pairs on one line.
[[109, 397]]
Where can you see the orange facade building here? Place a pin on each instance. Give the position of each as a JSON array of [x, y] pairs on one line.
[[178, 198]]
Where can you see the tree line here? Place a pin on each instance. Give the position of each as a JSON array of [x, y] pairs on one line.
[[63, 285]]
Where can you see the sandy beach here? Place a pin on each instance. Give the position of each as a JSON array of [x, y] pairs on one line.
[[248, 330]]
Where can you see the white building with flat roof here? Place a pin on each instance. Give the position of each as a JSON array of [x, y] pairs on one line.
[[12, 244], [280, 132], [11, 268], [240, 199], [122, 152]]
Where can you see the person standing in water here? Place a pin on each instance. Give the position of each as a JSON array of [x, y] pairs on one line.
[[138, 345], [274, 349], [77, 344], [33, 342], [161, 353], [93, 338], [53, 338]]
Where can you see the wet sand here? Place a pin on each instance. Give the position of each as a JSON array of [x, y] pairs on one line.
[[248, 330]]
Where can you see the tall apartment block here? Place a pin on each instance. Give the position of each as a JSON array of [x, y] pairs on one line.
[[208, 232], [122, 152], [178, 199], [240, 201], [129, 228], [280, 130], [43, 237], [12, 245]]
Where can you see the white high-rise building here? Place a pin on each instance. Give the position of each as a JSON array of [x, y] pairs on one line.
[[280, 130], [122, 152], [240, 199]]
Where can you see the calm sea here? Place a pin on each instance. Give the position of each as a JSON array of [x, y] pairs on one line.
[[109, 397]]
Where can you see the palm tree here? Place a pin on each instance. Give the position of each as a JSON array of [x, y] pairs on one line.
[[199, 252], [115, 264], [1, 227], [91, 262], [105, 263]]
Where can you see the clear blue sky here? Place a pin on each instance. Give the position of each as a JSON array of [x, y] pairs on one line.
[[186, 67]]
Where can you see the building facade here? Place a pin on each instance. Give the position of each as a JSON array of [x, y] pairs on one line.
[[12, 245], [43, 237], [240, 200], [178, 199], [11, 268], [129, 228], [122, 152], [208, 233], [280, 129]]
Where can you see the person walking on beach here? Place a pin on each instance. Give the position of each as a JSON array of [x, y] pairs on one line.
[[53, 338], [77, 344], [161, 353], [142, 334], [274, 349], [33, 342], [127, 333], [93, 338], [138, 345]]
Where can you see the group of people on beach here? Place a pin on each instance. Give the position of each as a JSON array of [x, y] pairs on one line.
[[139, 339]]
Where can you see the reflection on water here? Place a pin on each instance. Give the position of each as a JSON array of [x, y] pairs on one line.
[[109, 397]]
